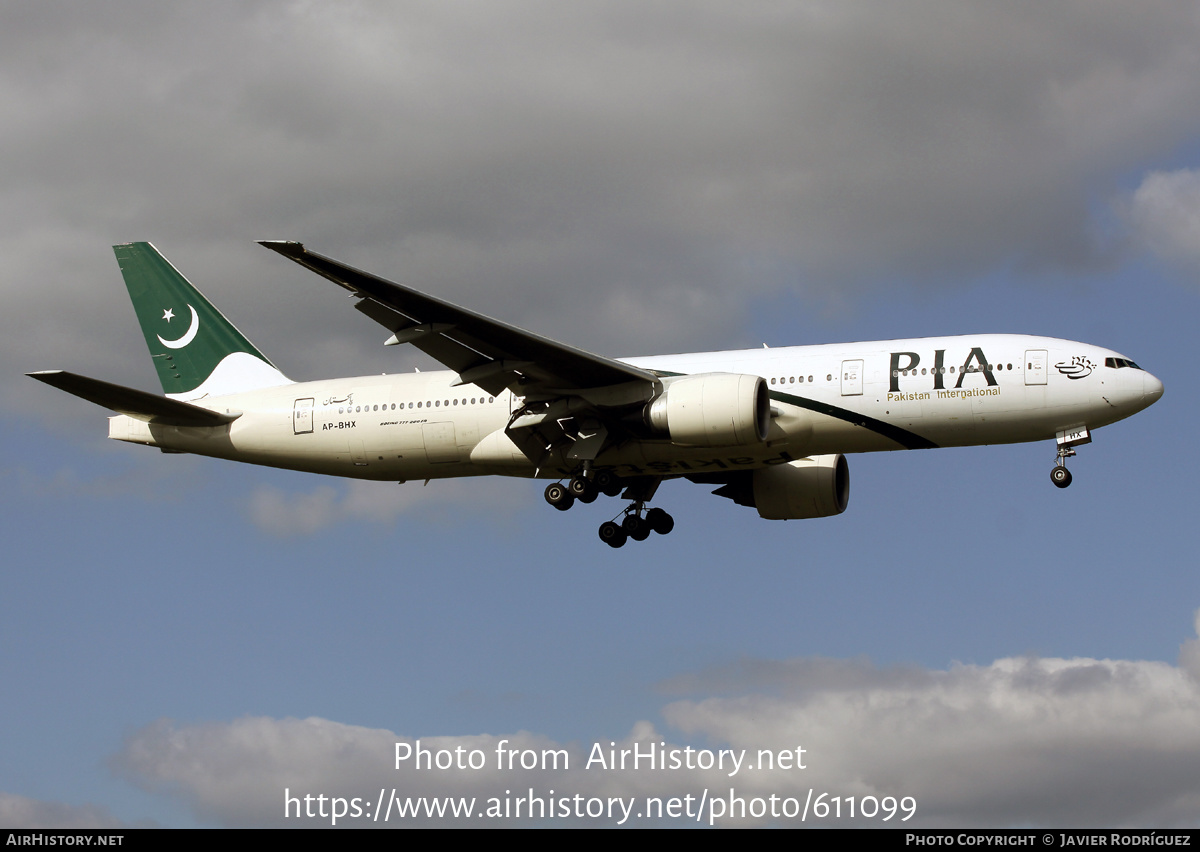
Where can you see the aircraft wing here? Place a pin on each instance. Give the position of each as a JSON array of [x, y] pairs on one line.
[[483, 351]]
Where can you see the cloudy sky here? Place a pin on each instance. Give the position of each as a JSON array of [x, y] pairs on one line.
[[185, 639]]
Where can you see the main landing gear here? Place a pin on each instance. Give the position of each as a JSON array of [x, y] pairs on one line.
[[583, 489], [635, 525]]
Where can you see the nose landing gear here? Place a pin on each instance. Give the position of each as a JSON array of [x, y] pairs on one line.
[[1068, 440]]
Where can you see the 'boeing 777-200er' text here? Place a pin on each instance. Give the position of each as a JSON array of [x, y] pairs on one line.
[[767, 427]]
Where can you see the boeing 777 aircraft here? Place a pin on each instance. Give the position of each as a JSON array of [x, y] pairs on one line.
[[768, 427]]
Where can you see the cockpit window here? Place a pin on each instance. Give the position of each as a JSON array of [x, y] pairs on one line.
[[1118, 363]]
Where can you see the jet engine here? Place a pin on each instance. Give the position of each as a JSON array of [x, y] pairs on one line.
[[814, 487], [712, 410]]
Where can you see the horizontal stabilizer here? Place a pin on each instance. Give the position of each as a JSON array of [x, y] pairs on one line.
[[134, 403]]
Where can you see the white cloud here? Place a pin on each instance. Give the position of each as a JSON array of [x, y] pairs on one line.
[[1023, 741], [286, 513], [1166, 216]]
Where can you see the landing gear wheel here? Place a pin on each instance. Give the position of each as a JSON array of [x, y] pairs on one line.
[[636, 528], [660, 521], [582, 489], [611, 534], [607, 483], [559, 497], [1060, 476]]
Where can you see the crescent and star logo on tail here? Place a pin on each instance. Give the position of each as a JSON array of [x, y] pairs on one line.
[[188, 336]]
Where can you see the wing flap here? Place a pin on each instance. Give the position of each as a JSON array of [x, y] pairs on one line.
[[137, 404]]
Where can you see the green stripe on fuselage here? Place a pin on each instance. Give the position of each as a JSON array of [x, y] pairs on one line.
[[908, 440]]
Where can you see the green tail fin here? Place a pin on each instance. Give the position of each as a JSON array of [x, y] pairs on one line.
[[196, 351]]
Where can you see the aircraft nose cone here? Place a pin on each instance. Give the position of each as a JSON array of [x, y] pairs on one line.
[[1152, 388]]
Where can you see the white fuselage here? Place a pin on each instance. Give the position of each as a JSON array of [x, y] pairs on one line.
[[837, 398]]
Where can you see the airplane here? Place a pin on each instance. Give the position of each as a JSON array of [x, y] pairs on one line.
[[769, 427]]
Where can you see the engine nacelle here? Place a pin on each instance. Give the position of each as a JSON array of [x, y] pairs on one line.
[[814, 487], [712, 410]]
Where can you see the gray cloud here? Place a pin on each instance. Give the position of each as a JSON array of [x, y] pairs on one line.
[[625, 176], [1023, 741], [19, 812]]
